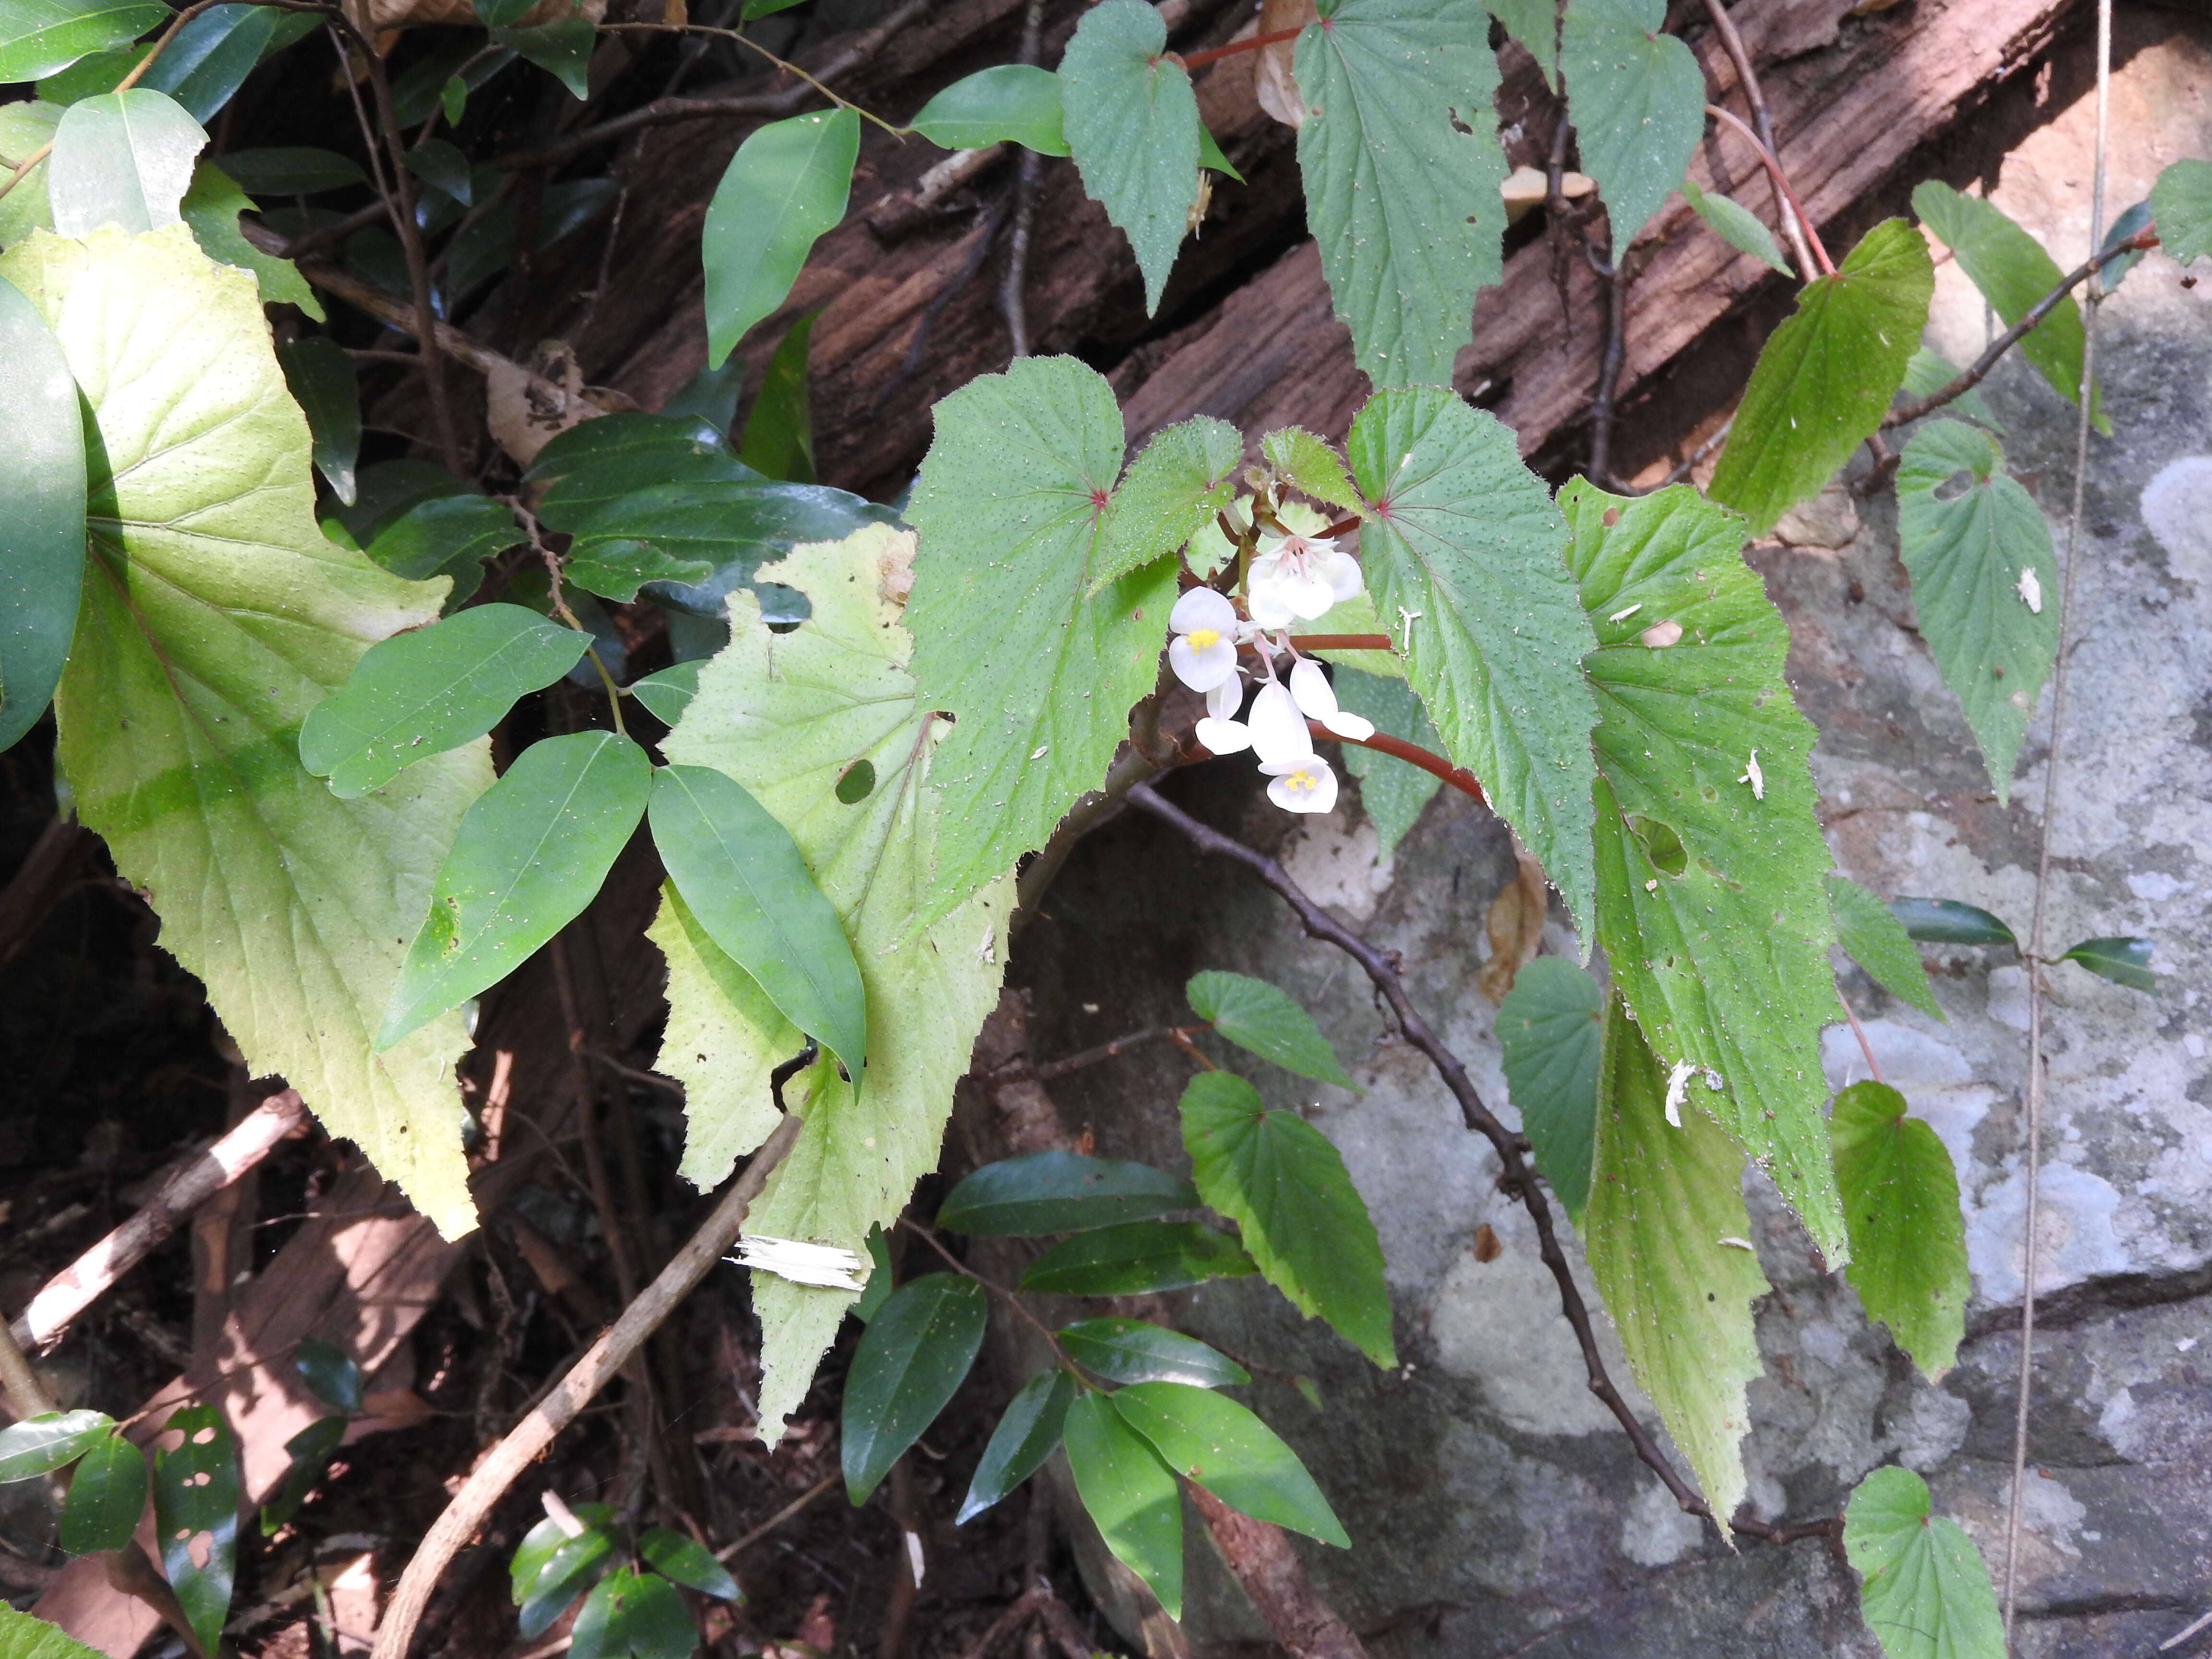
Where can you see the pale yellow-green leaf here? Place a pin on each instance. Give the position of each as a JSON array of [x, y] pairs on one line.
[[789, 715], [216, 614]]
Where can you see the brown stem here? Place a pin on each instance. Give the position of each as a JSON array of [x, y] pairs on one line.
[[1781, 184], [1793, 225], [1105, 1051], [1608, 376], [1341, 641], [1517, 1179], [601, 1362], [1383, 743], [1013, 298], [1250, 43]]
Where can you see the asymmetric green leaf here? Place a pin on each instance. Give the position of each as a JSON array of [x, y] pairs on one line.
[[1133, 1257], [321, 378], [1264, 1019], [1210, 1440], [1016, 102], [1825, 378], [1549, 1029], [914, 1355], [2123, 961], [421, 693], [2181, 205], [1924, 1591], [1736, 224], [1311, 466], [1984, 583], [1908, 1239], [1130, 1351], [789, 715], [2013, 274], [742, 877], [1039, 678], [1130, 1495], [40, 1445], [1178, 482], [42, 479], [617, 570], [211, 208], [215, 615], [1874, 940], [785, 187], [1710, 909], [1638, 100], [1535, 25], [1464, 538], [1027, 1434], [1059, 1192], [22, 1637], [1668, 1245], [631, 1614], [1402, 176], [122, 159], [1392, 791], [107, 1495], [196, 1518], [1304, 1224], [38, 37], [529, 856], [1131, 121]]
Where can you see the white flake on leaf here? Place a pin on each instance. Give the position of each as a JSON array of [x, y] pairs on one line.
[[823, 1266], [1678, 1089], [2030, 590], [1752, 775], [1737, 1243], [1623, 616]]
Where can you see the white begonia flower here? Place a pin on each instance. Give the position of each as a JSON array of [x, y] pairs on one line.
[[1278, 730], [1221, 731], [1302, 785], [1204, 651], [1317, 698], [1298, 577]]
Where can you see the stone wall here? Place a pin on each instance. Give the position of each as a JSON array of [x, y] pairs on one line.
[[1497, 1509]]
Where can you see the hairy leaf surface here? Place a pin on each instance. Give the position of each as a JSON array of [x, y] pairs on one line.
[[1181, 477], [1265, 1020], [215, 615], [23, 1637], [1923, 1591], [1549, 1027], [2181, 205], [1908, 1240], [1464, 538], [1710, 907], [1984, 583], [1040, 678], [1131, 123], [1668, 1245], [1402, 175], [1877, 941], [1736, 224], [1638, 100]]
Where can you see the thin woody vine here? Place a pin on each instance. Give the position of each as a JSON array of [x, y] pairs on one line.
[[845, 866]]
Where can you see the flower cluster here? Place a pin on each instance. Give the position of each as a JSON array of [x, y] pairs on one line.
[[1289, 577]]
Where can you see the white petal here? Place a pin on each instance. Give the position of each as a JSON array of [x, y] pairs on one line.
[[1279, 731], [1268, 602], [1342, 572], [823, 1266], [1308, 595], [1223, 737], [1201, 669], [1309, 686], [1310, 788], [1223, 701], [1202, 608], [1268, 550], [1346, 724]]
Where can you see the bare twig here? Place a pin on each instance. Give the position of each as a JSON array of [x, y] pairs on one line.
[[2035, 957], [1785, 210], [1773, 166], [26, 1395], [1012, 300], [751, 44], [1105, 1051], [191, 1184], [744, 1541], [506, 1461], [1517, 1179]]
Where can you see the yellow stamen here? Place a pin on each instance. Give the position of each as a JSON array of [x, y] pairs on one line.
[[1300, 782], [1200, 638]]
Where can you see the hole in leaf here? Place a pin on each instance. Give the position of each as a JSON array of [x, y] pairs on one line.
[[857, 782], [1959, 483], [1661, 845]]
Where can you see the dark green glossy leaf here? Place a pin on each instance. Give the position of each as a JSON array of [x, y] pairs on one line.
[[124, 158], [2181, 203], [1283, 1184], [531, 853], [643, 444], [1261, 1018], [420, 694], [633, 1615], [426, 84], [1948, 922], [1924, 1591], [1908, 1239], [38, 37], [40, 1445], [1212, 1440], [912, 1356], [562, 48], [550, 1568], [329, 1373], [2124, 961], [878, 1290], [1135, 1256], [207, 60], [741, 875], [778, 441], [196, 1518], [107, 1495], [1011, 102], [1549, 1027], [435, 161], [785, 187], [502, 14], [1825, 378], [290, 170], [1638, 100], [617, 570], [1178, 482], [1877, 941], [42, 479], [1027, 1434], [1131, 121], [1130, 1495], [311, 1450], [1059, 1192], [1130, 1351], [709, 397], [856, 782], [673, 1555], [321, 378]]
